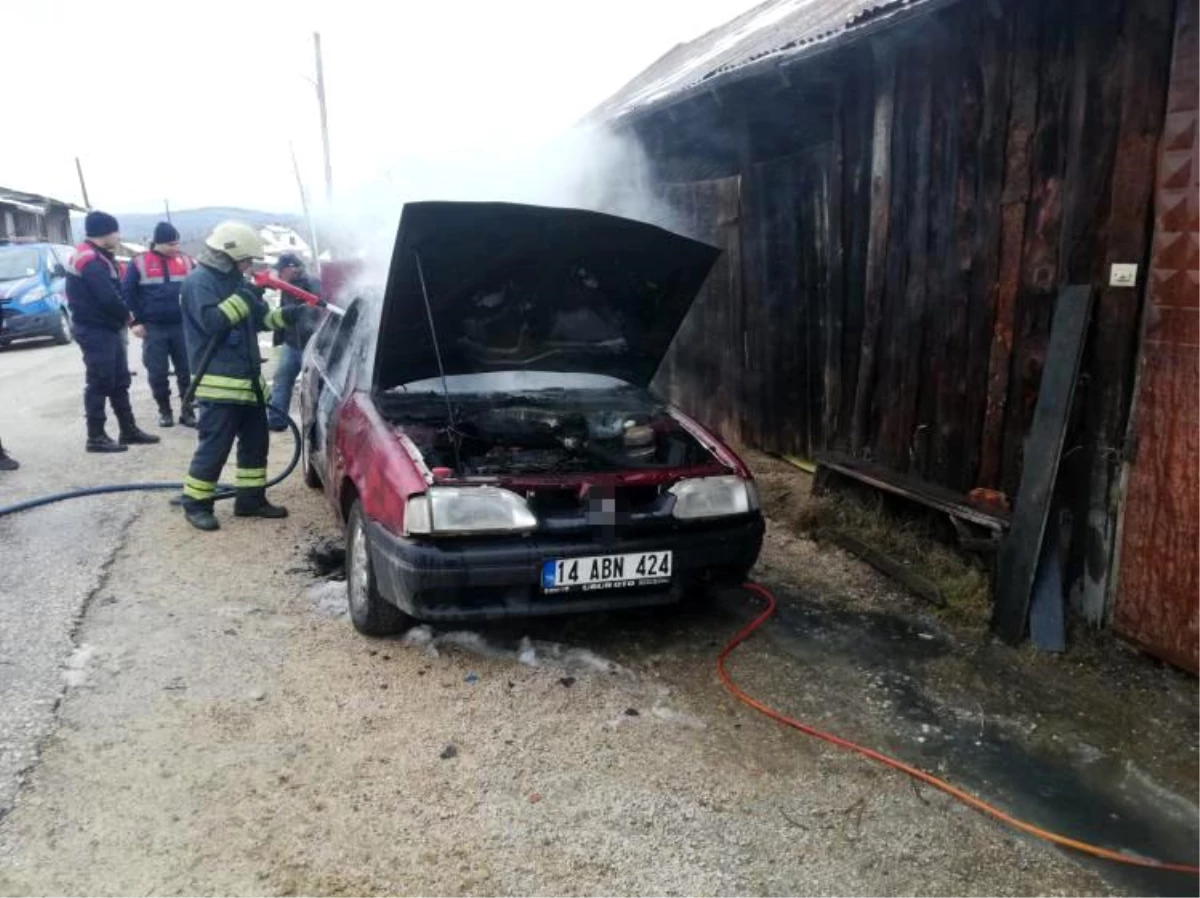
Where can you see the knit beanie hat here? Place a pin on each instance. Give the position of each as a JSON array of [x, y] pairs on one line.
[[100, 224], [165, 232]]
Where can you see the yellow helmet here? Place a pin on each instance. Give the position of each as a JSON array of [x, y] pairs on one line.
[[237, 240]]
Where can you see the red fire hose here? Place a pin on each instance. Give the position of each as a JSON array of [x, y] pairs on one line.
[[916, 773], [268, 281]]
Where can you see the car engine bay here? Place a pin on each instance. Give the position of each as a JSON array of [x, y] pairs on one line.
[[550, 431]]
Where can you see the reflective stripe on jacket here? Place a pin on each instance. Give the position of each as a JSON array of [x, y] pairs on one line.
[[151, 286], [218, 304]]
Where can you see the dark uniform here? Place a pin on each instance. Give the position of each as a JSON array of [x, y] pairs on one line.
[[98, 316], [219, 304], [152, 285], [292, 341]]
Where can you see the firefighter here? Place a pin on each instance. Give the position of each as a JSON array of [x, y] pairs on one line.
[[98, 316], [292, 340], [152, 284], [223, 311]]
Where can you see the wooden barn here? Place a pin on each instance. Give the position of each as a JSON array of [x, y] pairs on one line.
[[902, 189]]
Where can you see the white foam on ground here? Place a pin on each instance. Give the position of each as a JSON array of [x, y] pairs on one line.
[[76, 672], [329, 597], [662, 712], [529, 652]]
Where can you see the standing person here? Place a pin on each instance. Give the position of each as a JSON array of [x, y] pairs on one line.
[[98, 315], [152, 284], [292, 340], [222, 314], [7, 462]]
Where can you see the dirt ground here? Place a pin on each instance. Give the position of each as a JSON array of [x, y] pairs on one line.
[[225, 731]]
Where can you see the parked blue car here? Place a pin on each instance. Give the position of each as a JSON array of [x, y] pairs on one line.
[[33, 299]]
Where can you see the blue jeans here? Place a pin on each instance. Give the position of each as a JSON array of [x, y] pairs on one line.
[[286, 371]]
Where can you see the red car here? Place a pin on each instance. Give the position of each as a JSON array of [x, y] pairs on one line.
[[483, 426]]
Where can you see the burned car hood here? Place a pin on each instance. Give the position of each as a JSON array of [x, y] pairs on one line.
[[513, 287]]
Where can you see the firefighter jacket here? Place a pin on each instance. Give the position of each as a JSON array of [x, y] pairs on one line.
[[94, 289], [219, 304], [151, 286]]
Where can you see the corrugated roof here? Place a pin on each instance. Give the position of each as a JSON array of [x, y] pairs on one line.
[[33, 202], [774, 28]]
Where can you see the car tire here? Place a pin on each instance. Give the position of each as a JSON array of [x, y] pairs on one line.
[[311, 478], [370, 612], [63, 335]]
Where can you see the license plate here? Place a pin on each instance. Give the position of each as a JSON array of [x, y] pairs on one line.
[[597, 572]]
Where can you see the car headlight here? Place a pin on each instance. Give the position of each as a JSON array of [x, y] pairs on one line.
[[713, 497], [31, 296], [453, 510]]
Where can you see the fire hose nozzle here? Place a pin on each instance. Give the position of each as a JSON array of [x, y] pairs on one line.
[[263, 279]]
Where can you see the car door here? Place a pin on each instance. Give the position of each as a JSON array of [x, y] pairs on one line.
[[331, 386], [312, 387]]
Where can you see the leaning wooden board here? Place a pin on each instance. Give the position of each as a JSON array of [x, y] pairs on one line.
[[1021, 549]]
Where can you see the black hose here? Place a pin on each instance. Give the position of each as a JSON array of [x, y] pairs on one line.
[[223, 491]]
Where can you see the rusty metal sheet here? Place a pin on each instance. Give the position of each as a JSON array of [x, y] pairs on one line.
[[1159, 567]]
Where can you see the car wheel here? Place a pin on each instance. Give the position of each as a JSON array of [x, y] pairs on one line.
[[370, 612], [62, 336], [311, 478]]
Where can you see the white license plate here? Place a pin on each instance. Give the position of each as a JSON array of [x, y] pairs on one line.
[[606, 572]]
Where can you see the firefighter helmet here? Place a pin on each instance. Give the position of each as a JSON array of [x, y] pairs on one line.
[[237, 240]]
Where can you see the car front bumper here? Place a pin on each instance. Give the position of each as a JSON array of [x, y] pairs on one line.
[[457, 580], [19, 325]]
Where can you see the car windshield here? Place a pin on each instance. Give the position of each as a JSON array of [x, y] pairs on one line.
[[513, 382], [18, 263]]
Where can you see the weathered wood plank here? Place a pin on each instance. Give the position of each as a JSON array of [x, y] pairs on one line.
[[1022, 120], [908, 322], [994, 52], [877, 242], [919, 586], [1022, 547], [911, 488], [1042, 248], [858, 118]]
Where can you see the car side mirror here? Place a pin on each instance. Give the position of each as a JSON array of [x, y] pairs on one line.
[[58, 272]]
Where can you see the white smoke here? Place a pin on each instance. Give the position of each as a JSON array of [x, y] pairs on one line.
[[586, 168]]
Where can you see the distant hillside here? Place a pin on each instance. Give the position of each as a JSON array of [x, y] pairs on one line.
[[193, 224]]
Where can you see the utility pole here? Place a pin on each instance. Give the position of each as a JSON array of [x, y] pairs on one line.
[[324, 117], [312, 230], [82, 184]]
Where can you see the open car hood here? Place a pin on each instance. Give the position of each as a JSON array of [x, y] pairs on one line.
[[514, 287]]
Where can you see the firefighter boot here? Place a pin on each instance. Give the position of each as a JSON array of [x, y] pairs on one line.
[[187, 415], [98, 440], [254, 504], [166, 418], [201, 516]]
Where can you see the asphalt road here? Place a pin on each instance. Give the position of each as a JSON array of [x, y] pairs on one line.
[[52, 559]]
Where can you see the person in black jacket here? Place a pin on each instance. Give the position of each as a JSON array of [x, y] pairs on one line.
[[98, 317], [222, 315], [292, 340], [151, 285]]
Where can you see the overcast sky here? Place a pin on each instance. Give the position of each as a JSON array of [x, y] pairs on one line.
[[196, 102]]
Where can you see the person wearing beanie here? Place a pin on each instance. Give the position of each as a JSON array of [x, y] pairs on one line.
[[98, 317], [292, 340], [151, 285]]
